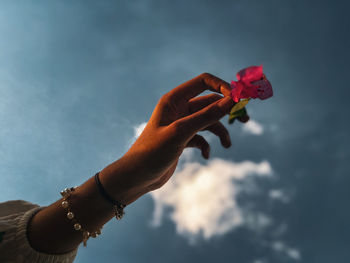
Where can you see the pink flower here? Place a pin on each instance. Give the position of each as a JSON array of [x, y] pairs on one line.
[[251, 83]]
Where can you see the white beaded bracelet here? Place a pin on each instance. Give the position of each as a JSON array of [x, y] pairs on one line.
[[66, 193]]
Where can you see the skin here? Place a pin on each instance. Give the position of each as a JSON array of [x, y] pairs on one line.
[[149, 163]]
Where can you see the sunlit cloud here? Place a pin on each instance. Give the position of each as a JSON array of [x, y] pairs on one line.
[[138, 129], [203, 197], [212, 189], [253, 127]]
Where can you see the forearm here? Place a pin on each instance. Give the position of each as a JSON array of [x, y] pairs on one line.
[[50, 230]]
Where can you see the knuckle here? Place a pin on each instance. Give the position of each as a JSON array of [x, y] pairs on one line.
[[206, 75], [164, 98], [168, 100], [165, 102]]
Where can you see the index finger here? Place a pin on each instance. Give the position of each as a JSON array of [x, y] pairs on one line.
[[197, 85]]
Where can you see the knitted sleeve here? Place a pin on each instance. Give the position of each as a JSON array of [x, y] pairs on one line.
[[14, 245]]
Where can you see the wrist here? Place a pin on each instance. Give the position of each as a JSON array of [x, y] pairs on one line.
[[120, 182]]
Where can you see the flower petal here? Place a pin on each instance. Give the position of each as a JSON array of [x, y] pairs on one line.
[[250, 74], [264, 89], [252, 83], [249, 92], [237, 88]]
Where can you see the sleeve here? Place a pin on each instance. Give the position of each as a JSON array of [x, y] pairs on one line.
[[14, 244]]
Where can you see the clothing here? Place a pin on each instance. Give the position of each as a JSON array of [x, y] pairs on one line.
[[14, 245]]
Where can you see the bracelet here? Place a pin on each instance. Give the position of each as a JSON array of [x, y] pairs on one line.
[[117, 206], [66, 193]]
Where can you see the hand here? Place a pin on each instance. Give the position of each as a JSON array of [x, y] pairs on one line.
[[173, 126], [146, 166]]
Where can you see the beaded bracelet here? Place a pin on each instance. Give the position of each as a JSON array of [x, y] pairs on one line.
[[66, 193]]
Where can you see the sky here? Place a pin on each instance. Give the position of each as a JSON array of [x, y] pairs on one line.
[[80, 79]]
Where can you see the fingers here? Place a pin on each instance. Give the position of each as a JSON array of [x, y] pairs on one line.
[[198, 103], [201, 119], [220, 130], [217, 128], [199, 84], [199, 142]]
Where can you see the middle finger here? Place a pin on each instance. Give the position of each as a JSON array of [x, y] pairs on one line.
[[220, 130]]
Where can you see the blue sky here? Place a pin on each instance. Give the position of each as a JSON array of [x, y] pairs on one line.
[[77, 78]]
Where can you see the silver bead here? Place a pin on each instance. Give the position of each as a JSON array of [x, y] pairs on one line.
[[70, 215], [98, 232], [65, 204], [65, 192], [77, 226]]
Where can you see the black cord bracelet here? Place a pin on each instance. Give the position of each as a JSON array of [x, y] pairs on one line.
[[117, 206]]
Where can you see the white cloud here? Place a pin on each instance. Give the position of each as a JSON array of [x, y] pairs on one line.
[[203, 197], [253, 127], [281, 247], [256, 222], [293, 253], [279, 195], [139, 129], [137, 132]]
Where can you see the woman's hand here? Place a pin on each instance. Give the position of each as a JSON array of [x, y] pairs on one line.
[[146, 166], [173, 126]]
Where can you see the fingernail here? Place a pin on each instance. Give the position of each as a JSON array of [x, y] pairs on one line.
[[226, 103]]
